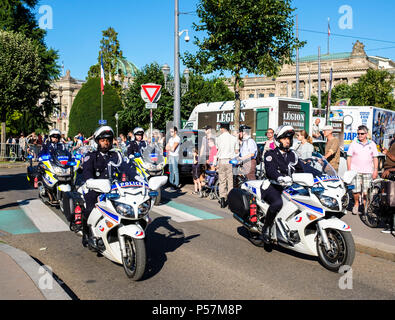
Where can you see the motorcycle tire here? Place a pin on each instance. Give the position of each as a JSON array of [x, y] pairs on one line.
[[343, 252], [66, 205], [135, 262]]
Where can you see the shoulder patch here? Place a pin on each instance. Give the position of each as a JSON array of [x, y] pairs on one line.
[[269, 158], [86, 158]]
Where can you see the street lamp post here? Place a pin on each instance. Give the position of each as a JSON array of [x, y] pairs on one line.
[[116, 119]]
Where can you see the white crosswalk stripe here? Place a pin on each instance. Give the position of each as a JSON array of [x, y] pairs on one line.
[[43, 217]]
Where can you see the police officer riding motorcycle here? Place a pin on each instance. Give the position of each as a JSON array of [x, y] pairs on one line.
[[280, 164], [138, 144], [52, 144], [101, 164]]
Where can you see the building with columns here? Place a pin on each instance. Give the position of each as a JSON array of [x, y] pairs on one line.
[[65, 90], [347, 67]]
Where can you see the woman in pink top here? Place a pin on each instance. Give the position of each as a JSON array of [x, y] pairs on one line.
[[212, 154], [362, 158]]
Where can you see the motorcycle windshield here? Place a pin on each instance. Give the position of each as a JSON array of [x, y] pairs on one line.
[[61, 158], [153, 154], [319, 166]]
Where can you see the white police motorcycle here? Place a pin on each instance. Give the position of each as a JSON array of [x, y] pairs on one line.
[[120, 218], [309, 221]]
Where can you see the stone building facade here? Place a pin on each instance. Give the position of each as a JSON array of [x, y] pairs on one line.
[[65, 89], [347, 67]]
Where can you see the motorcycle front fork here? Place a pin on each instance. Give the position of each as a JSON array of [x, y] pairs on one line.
[[324, 236]]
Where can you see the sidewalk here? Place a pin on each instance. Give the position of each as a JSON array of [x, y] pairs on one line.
[[22, 278], [16, 164]]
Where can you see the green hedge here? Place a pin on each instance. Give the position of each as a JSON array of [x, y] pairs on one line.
[[85, 112]]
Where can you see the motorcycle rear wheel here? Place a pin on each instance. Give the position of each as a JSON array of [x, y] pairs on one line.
[[342, 253], [136, 259]]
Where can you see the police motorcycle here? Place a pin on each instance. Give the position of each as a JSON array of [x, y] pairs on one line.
[[54, 177], [120, 218], [150, 163], [309, 221]]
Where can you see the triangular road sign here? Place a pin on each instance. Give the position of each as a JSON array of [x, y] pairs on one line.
[[150, 92]]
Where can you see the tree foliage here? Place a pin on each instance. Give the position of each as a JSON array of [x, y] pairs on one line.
[[253, 36], [110, 49], [375, 88], [18, 16], [200, 90], [85, 112]]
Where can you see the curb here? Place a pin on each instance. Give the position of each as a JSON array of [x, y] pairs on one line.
[[375, 249], [13, 165], [35, 271]]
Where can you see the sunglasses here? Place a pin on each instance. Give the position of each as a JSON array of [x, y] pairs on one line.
[[361, 133]]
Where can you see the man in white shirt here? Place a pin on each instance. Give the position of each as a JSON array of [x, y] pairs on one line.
[[228, 148], [172, 148]]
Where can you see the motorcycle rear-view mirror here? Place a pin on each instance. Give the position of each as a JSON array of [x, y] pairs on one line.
[[156, 182], [349, 176]]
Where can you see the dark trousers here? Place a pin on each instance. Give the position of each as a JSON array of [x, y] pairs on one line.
[[272, 196], [90, 201]]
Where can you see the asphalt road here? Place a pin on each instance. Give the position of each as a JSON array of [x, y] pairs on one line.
[[206, 259]]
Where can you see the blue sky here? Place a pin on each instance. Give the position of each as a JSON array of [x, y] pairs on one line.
[[146, 28]]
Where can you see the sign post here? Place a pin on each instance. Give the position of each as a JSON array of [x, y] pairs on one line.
[[151, 93]]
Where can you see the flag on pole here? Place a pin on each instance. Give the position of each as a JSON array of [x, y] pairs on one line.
[[329, 28], [102, 80]]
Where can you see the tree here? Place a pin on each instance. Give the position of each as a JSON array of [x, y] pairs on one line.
[[201, 90], [375, 88], [85, 112], [255, 36], [19, 16], [110, 49], [20, 70]]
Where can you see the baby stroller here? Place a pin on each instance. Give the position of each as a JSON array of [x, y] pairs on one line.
[[211, 187]]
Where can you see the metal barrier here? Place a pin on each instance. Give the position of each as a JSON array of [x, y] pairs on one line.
[[14, 152]]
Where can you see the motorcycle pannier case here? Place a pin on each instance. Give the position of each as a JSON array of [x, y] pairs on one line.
[[390, 190], [239, 202]]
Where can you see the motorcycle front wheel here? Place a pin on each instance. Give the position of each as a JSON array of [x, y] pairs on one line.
[[135, 260], [341, 253], [158, 198]]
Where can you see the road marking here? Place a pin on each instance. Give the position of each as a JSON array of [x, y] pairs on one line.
[[43, 218], [183, 213], [16, 222]]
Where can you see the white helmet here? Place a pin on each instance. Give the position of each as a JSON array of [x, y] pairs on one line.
[[284, 131], [55, 133], [138, 131], [104, 132]]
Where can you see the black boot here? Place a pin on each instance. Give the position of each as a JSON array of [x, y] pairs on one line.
[[266, 234], [85, 233]]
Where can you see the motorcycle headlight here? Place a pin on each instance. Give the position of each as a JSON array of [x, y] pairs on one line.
[[60, 171], [124, 209], [329, 202], [144, 208]]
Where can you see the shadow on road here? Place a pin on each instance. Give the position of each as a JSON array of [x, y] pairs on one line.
[[242, 231], [14, 182], [16, 204], [158, 244]]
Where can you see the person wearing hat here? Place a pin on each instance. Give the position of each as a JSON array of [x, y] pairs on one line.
[[280, 164], [248, 152], [228, 148], [138, 144], [52, 144], [332, 147], [101, 164]]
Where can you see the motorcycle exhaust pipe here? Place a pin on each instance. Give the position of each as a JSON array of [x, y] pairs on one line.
[[247, 224]]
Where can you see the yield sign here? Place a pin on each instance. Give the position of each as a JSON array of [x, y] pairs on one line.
[[151, 92]]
